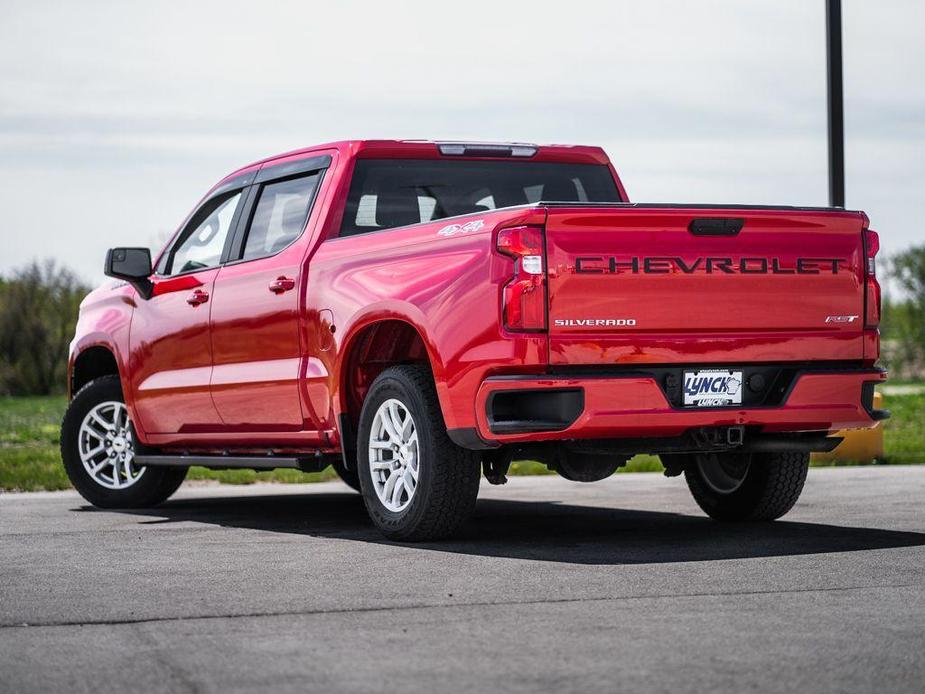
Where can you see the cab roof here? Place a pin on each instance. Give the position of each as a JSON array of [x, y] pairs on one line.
[[451, 149]]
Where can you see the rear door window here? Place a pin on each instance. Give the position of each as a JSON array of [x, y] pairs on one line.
[[280, 215]]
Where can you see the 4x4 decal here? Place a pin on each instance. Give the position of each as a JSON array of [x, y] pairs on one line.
[[453, 229]]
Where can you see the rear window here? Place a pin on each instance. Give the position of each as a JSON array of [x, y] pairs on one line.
[[386, 193]]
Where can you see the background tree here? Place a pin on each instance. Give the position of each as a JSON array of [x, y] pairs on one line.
[[38, 312], [904, 318]]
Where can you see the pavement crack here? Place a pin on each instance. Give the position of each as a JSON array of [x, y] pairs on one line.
[[444, 605]]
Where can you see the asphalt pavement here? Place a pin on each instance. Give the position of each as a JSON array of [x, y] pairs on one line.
[[618, 586]]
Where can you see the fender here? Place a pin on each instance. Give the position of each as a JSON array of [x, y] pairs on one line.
[[89, 341], [105, 321]]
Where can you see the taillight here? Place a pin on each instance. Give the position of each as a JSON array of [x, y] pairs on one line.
[[871, 286], [524, 297]]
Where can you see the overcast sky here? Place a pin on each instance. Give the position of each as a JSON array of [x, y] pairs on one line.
[[116, 117]]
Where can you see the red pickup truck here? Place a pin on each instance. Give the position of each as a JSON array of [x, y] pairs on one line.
[[414, 313]]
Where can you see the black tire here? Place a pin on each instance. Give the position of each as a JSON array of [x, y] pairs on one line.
[[448, 476], [348, 477], [769, 488], [153, 487]]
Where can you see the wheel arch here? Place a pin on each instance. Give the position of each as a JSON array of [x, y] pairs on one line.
[[370, 348], [91, 362]]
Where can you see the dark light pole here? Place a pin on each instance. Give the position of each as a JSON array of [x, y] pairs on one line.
[[836, 104]]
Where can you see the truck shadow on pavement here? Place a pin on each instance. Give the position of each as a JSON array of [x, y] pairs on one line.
[[541, 530]]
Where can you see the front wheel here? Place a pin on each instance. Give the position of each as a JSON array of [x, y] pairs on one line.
[[98, 450], [746, 487], [347, 475], [416, 483]]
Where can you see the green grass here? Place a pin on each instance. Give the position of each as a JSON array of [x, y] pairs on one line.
[[29, 458], [30, 420], [904, 432]]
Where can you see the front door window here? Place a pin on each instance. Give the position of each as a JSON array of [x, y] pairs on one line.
[[201, 245]]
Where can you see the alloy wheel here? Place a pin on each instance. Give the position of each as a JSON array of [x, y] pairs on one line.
[[394, 455], [106, 446]]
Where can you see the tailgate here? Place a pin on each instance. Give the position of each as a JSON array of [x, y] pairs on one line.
[[665, 285]]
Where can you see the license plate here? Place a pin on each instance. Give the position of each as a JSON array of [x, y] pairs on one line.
[[712, 388]]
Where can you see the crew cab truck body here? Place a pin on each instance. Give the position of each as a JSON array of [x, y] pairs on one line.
[[413, 312]]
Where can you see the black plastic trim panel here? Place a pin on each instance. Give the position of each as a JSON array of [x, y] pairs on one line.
[[689, 442], [468, 437], [716, 226], [242, 215], [348, 442], [308, 463], [292, 168], [235, 183], [520, 411], [867, 401]]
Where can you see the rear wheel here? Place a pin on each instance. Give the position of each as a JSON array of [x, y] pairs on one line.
[[746, 487], [98, 450], [416, 483]]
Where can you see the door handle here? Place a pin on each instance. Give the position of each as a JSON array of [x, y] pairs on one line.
[[197, 297], [282, 284]]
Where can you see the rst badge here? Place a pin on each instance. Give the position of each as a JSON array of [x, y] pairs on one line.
[[712, 388]]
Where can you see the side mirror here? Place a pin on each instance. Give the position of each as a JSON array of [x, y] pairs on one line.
[[132, 265]]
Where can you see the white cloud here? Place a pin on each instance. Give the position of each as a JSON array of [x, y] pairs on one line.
[[115, 117]]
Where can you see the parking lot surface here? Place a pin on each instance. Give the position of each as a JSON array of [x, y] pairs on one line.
[[621, 585]]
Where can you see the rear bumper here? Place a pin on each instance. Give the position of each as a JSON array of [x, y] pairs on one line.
[[516, 409]]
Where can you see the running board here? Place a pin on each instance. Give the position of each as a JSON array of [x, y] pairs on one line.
[[314, 463]]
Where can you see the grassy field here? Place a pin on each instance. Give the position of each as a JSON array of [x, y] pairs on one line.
[[29, 457]]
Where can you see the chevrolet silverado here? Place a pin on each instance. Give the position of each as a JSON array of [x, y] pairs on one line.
[[419, 313]]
